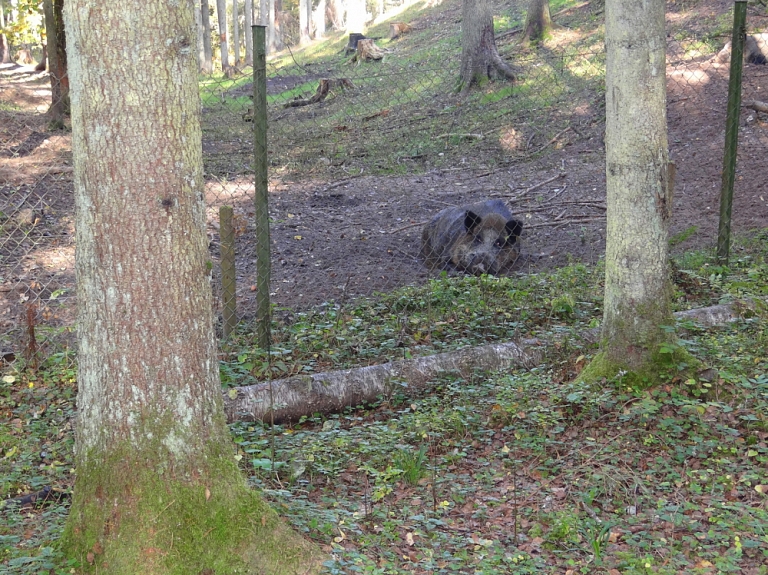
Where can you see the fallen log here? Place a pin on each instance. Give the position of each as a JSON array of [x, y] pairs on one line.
[[327, 392], [300, 396]]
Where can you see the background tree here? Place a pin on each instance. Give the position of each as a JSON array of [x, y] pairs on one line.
[[538, 21], [248, 32], [57, 60], [305, 16], [639, 186], [318, 19], [5, 46], [274, 32], [236, 31], [206, 57], [221, 15], [480, 58], [157, 489], [355, 17]]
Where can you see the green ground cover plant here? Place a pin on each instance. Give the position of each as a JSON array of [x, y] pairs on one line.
[[529, 471]]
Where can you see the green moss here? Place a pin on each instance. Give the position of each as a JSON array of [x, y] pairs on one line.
[[666, 363], [128, 518]]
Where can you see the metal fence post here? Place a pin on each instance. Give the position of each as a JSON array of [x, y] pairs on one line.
[[263, 269], [731, 130]]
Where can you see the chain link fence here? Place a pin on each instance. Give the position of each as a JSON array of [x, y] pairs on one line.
[[364, 149]]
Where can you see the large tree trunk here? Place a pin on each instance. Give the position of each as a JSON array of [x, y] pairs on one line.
[[157, 489], [206, 60], [57, 61], [248, 33], [305, 15], [639, 183], [221, 15], [480, 58], [538, 21]]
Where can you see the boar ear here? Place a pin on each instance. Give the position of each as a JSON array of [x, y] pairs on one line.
[[471, 220], [513, 228]]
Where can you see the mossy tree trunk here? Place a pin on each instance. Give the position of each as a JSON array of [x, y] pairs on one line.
[[538, 21], [157, 488], [480, 58], [637, 304]]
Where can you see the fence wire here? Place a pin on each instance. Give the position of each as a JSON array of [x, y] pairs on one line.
[[362, 154]]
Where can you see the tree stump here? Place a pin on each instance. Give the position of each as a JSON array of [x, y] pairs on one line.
[[323, 89], [354, 38], [368, 50]]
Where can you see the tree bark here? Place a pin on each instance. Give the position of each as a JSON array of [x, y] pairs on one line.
[[57, 61], [480, 58], [538, 21], [639, 186], [157, 489], [206, 60], [221, 14]]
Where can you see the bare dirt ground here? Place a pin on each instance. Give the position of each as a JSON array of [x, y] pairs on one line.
[[335, 240]]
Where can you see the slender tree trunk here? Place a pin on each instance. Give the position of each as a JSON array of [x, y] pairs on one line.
[[248, 33], [205, 21], [236, 31], [157, 490], [639, 184], [221, 14], [57, 60], [305, 15], [480, 58], [538, 21]]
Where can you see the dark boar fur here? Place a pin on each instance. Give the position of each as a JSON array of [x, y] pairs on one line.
[[480, 238]]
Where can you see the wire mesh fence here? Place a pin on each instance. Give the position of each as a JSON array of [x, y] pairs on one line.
[[362, 153]]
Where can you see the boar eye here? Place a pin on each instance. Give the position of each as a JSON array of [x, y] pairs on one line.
[[500, 243], [477, 239]]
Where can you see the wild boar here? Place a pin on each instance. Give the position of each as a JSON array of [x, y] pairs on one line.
[[479, 238]]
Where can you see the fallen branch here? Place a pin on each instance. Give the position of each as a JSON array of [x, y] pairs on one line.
[[564, 222], [407, 227], [536, 186], [552, 141], [465, 135]]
